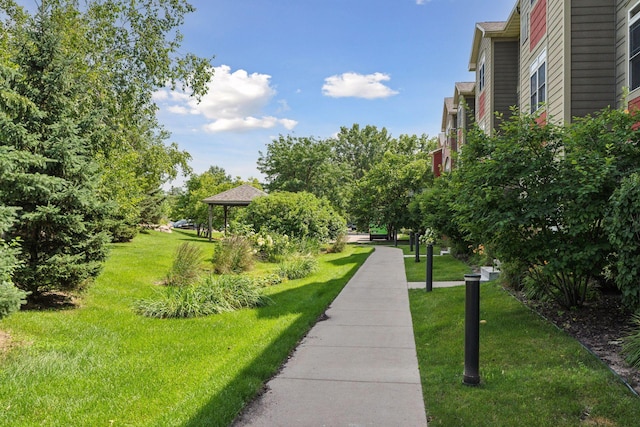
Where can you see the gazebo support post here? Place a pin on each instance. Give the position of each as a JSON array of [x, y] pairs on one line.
[[210, 221], [226, 209]]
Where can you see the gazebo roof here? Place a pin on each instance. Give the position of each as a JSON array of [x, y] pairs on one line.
[[239, 196]]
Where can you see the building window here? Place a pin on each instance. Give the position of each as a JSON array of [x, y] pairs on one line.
[[634, 47], [538, 81], [481, 75], [524, 27]]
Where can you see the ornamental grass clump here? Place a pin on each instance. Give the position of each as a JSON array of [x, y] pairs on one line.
[[186, 266], [235, 254], [338, 245], [212, 295], [631, 344], [298, 267]]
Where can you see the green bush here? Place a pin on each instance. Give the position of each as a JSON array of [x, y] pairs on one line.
[[234, 254], [214, 295], [271, 246], [268, 280], [298, 267], [186, 265], [11, 298], [631, 344], [623, 227], [297, 215]]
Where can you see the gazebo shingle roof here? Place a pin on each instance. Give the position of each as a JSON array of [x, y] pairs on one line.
[[239, 196]]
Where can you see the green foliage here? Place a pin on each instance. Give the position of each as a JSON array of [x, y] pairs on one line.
[[271, 246], [53, 177], [121, 52], [11, 298], [298, 267], [538, 195], [214, 295], [234, 254], [331, 168], [297, 215], [435, 208], [297, 164], [268, 280], [186, 265], [631, 344], [383, 194], [623, 225]]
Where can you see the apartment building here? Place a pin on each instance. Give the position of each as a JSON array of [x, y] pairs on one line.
[[558, 59]]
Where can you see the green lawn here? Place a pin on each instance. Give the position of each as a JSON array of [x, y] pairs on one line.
[[532, 374], [102, 365], [445, 268]]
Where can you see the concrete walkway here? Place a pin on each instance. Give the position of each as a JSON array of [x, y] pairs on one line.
[[356, 368]]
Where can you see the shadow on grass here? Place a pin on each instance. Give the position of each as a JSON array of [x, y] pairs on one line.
[[191, 236], [309, 301]]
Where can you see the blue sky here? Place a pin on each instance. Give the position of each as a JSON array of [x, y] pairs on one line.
[[308, 67]]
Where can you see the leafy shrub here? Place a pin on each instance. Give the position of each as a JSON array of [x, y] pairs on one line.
[[271, 246], [513, 274], [631, 344], [623, 227], [298, 267], [268, 280], [212, 296], [186, 265], [298, 215], [234, 254], [11, 298]]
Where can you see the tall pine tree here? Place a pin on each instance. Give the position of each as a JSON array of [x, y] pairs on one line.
[[53, 179]]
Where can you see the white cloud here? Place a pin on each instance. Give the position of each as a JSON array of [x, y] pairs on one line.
[[356, 85], [420, 2], [248, 123], [178, 109], [234, 102]]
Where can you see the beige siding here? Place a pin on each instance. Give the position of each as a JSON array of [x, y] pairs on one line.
[[557, 75], [622, 67], [525, 60]]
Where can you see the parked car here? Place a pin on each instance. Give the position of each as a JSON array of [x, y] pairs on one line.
[[183, 223]]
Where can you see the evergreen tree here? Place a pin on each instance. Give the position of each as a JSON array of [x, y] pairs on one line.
[[59, 216]]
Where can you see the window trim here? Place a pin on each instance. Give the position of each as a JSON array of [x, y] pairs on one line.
[[482, 74], [632, 19], [534, 72]]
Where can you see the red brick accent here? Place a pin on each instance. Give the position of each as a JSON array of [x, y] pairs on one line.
[[481, 107], [542, 119], [634, 109], [437, 163], [634, 105], [538, 24]]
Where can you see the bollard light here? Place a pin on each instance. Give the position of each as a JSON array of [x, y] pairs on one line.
[[417, 245], [429, 267], [472, 330]]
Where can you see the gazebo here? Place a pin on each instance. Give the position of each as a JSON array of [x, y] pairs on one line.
[[239, 196]]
